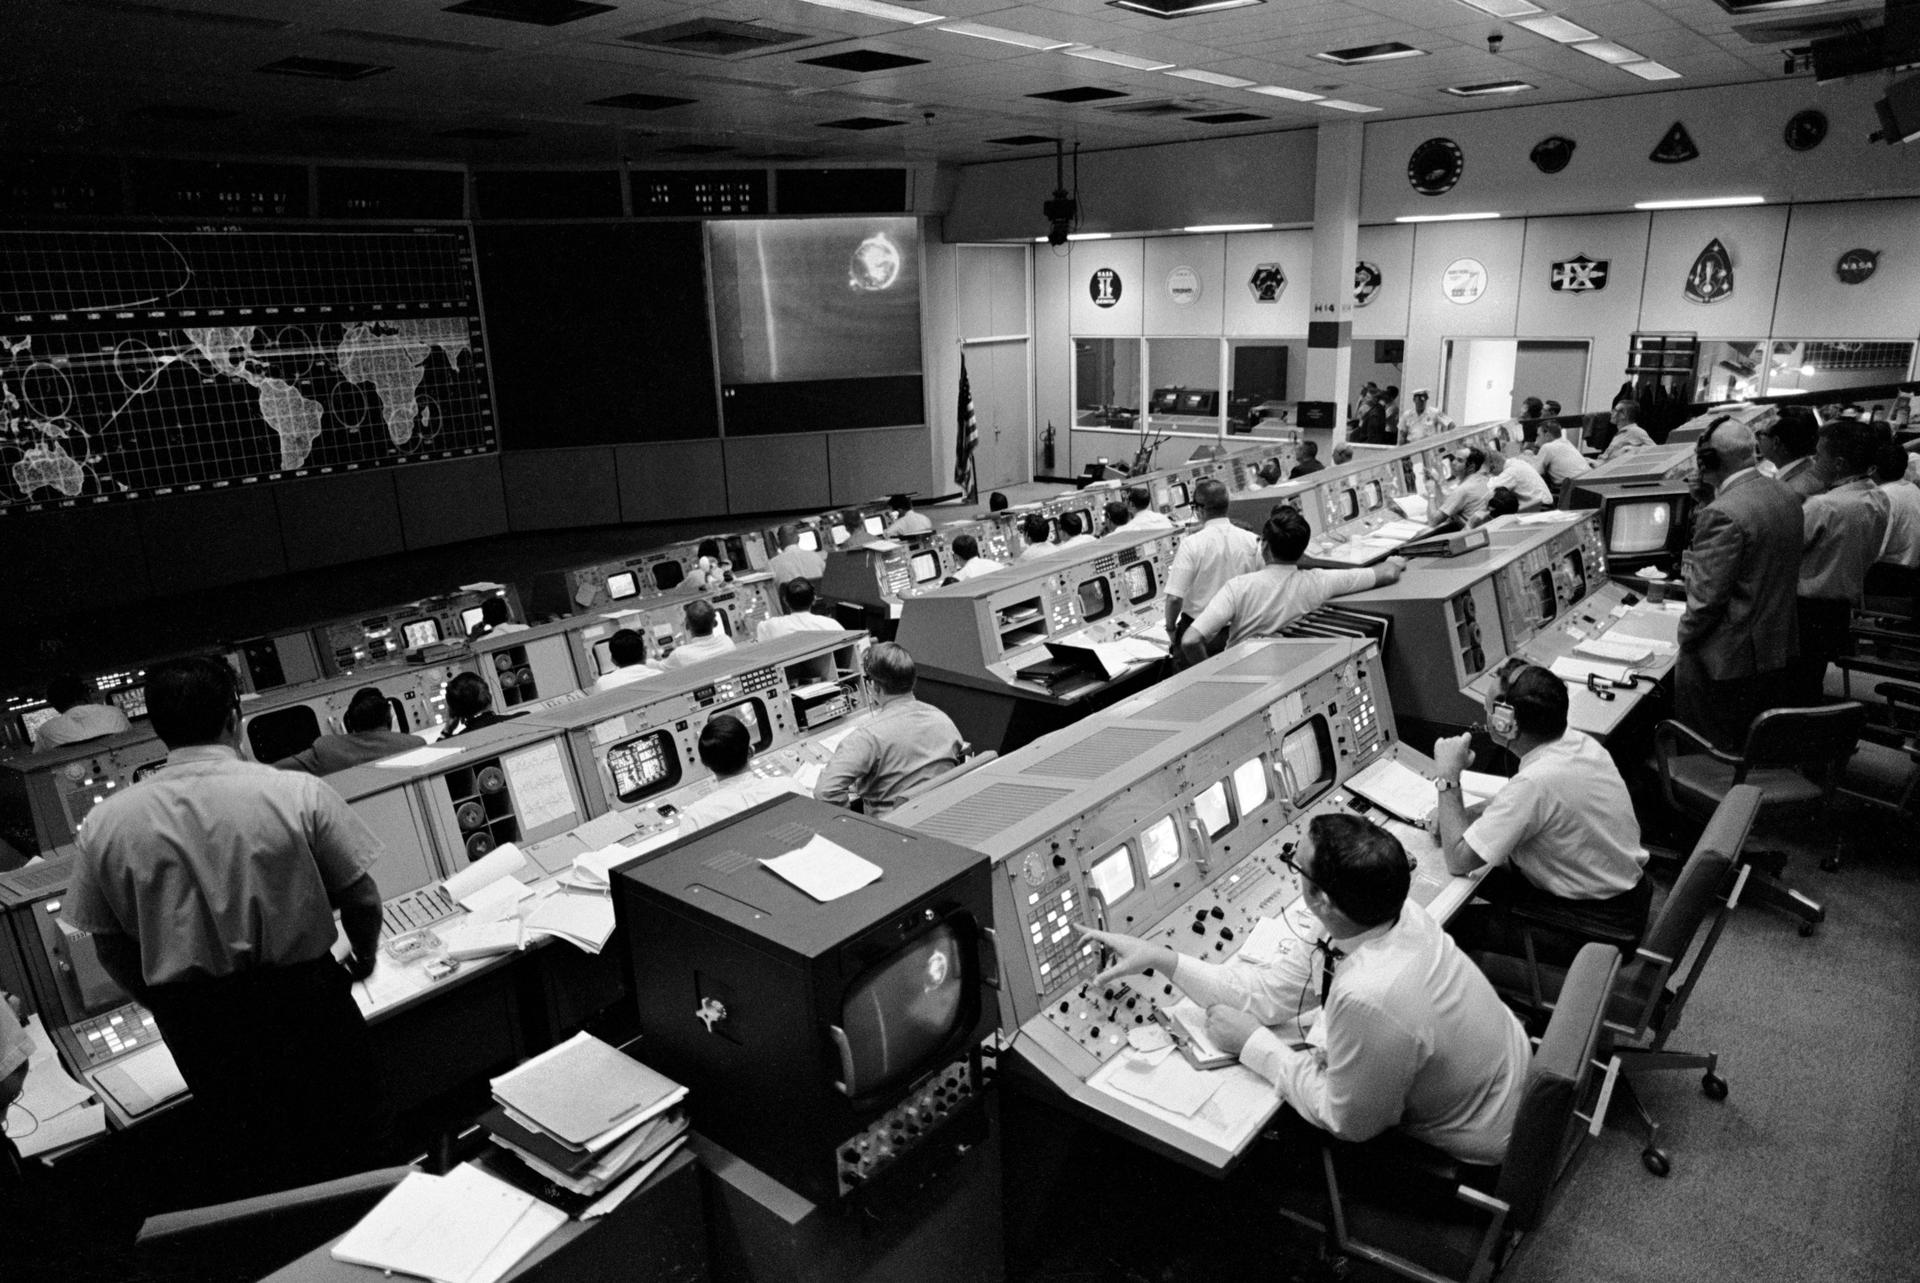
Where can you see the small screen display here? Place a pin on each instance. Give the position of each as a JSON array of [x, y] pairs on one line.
[[644, 766], [874, 524], [1307, 753], [903, 1011], [132, 701], [423, 632], [839, 533], [1112, 877], [1096, 599], [810, 540], [282, 732], [926, 567], [623, 585], [1160, 845], [1196, 403], [1250, 784], [1213, 811], [1371, 493], [1140, 584], [1640, 527], [668, 574], [34, 718], [1576, 567], [1180, 494], [1346, 505], [1540, 594], [753, 715], [471, 619], [1166, 400]]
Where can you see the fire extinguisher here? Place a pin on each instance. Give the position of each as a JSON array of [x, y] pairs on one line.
[[1046, 449]]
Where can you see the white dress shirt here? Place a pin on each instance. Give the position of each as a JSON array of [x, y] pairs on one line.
[[1264, 602], [1902, 544], [1520, 477], [1559, 459], [731, 796], [1149, 519], [787, 625], [1207, 559], [695, 649], [1565, 821], [975, 568], [624, 677]]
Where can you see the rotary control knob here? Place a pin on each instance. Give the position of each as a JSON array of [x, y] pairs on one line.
[[1033, 869]]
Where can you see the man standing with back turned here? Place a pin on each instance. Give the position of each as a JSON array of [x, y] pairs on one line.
[[209, 890], [1739, 635], [1205, 561]]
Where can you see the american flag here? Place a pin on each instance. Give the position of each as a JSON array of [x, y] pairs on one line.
[[968, 439]]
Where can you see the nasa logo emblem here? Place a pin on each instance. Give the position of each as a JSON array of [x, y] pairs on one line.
[[1856, 265], [1579, 274], [1104, 287], [1267, 282], [1711, 278]]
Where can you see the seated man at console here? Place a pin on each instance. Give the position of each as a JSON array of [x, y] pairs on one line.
[[628, 651], [1073, 531], [705, 638], [1563, 825], [1039, 537], [1467, 502], [966, 550], [906, 520], [1145, 515], [470, 706], [905, 744], [1119, 513], [80, 718], [1409, 1034], [1521, 478], [1306, 460], [725, 749], [797, 596], [370, 736], [793, 561], [1264, 602]]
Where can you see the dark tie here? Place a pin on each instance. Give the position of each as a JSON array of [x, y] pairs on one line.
[[1330, 957]]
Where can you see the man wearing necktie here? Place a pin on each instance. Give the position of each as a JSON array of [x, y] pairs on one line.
[[1408, 1032]]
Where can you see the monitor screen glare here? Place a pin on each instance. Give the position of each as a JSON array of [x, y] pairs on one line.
[[1140, 585], [424, 632], [810, 540], [903, 1010], [874, 524], [1306, 752], [623, 585], [926, 567], [471, 619], [1639, 528]]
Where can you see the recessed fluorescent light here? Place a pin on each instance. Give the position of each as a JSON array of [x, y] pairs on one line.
[[1212, 78], [1608, 51], [1555, 28], [1276, 91], [878, 9], [1231, 227], [1502, 8], [1341, 104], [1108, 56], [1443, 218], [1651, 70], [1490, 87], [1386, 52], [1700, 202], [1179, 8], [980, 31], [1091, 236]]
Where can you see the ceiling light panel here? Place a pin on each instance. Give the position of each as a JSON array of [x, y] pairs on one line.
[[1502, 8], [1181, 8], [1556, 28], [1650, 70], [1609, 52], [1491, 88], [1212, 78], [878, 9], [1111, 58], [1001, 35], [1277, 91], [1360, 55], [1701, 202], [1341, 104]]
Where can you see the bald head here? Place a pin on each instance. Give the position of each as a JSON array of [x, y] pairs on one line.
[[1734, 443]]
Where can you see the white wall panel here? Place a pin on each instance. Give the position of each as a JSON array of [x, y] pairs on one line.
[[1815, 303], [1286, 317], [1606, 316], [1205, 258], [1084, 259], [1753, 238], [1389, 248]]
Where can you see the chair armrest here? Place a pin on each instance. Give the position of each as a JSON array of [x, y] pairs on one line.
[[1661, 967], [224, 1216], [1665, 740], [1905, 693], [1553, 918]]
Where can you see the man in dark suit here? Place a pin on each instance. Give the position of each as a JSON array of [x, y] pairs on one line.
[[1739, 634]]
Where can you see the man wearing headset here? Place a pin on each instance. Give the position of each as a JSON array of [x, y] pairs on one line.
[[1409, 1032], [1563, 825], [1739, 634]]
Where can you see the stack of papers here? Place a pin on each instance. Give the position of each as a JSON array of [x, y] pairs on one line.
[[489, 888], [583, 919], [584, 1117], [464, 1227], [1624, 650], [53, 1111]]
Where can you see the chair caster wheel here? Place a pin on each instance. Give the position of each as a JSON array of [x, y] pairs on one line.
[[1656, 1162], [1714, 1086], [1806, 928]]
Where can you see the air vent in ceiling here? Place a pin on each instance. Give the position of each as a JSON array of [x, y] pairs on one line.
[[323, 68], [641, 102], [1022, 140], [394, 38], [858, 123], [205, 17], [1489, 88], [864, 61], [1166, 107], [540, 13], [1359, 54], [1807, 27], [1226, 118], [714, 38], [1079, 93]]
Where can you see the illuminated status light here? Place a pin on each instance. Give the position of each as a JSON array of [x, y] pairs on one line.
[[1701, 202], [1444, 218]]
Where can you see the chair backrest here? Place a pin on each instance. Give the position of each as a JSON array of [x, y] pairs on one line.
[[1823, 736], [924, 787], [1556, 1082]]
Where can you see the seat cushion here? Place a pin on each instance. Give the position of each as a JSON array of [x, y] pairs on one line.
[[1700, 781], [1876, 770]]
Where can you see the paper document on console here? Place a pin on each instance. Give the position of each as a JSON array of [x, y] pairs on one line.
[[1399, 788], [1569, 669], [1167, 1081], [418, 757], [487, 886], [825, 870]]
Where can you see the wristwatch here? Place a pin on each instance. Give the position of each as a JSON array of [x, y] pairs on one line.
[[1444, 785]]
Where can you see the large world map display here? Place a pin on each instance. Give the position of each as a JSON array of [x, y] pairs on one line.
[[138, 364]]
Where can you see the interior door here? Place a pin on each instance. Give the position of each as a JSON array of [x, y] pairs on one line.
[[999, 377]]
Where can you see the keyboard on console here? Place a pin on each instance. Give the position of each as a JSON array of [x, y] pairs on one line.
[[417, 909]]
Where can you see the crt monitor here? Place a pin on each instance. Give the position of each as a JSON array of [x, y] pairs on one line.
[[810, 540], [1140, 582], [472, 617], [1165, 401], [839, 533], [1306, 759], [874, 523], [282, 732], [421, 632], [34, 718], [1179, 493], [1096, 599], [668, 574], [640, 767], [926, 566], [623, 585], [1642, 526], [752, 714]]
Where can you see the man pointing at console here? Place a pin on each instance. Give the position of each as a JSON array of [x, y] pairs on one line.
[[1410, 1034]]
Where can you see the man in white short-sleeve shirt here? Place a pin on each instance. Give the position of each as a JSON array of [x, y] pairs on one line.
[[1206, 559], [1563, 827], [1520, 477]]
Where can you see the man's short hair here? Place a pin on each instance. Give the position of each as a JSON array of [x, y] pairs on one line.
[[725, 745], [1342, 453], [1530, 408], [1118, 513], [1550, 431], [1286, 533], [66, 690], [1308, 449], [368, 711], [1628, 411], [966, 547], [1270, 472], [1851, 443], [797, 594], [1796, 430], [708, 548], [1139, 498], [467, 696], [494, 611], [701, 617], [1539, 700], [1035, 527], [626, 648], [901, 503], [1503, 502], [789, 536], [1553, 409], [1359, 866], [1071, 525], [890, 668], [1211, 497], [189, 700], [1890, 464], [997, 502], [1473, 460]]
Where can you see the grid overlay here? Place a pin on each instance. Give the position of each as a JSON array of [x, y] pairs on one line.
[[138, 364]]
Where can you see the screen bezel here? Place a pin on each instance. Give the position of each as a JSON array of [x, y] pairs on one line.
[[966, 931], [926, 556], [1617, 505], [670, 750], [631, 580], [1305, 794]]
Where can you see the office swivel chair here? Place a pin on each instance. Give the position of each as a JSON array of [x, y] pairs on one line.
[[1413, 1212], [1884, 770], [1651, 991], [1795, 755]]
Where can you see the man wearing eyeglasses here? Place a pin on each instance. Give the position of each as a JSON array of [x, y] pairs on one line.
[[1409, 1033]]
